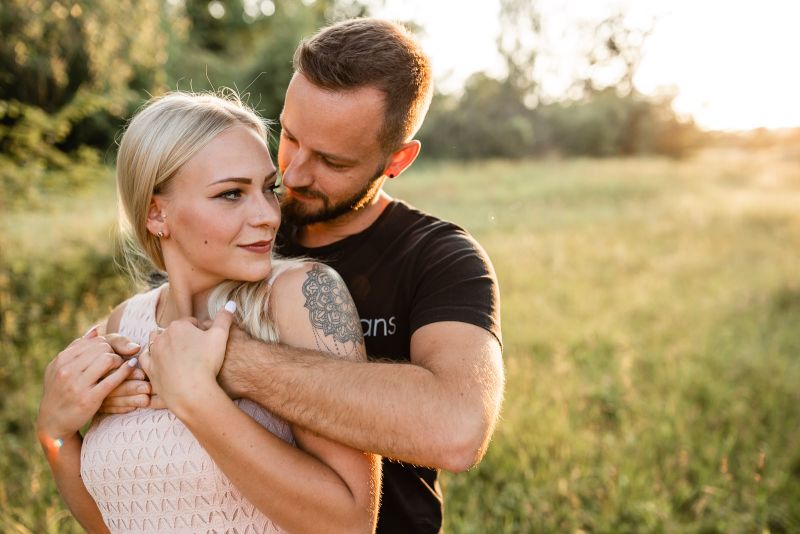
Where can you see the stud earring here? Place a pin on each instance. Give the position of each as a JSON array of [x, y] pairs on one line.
[[160, 235]]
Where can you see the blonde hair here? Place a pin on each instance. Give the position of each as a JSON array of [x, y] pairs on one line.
[[251, 298], [166, 133]]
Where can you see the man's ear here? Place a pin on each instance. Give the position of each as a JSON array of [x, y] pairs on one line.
[[157, 217], [402, 158]]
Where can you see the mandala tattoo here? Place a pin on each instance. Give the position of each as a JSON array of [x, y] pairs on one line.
[[331, 311]]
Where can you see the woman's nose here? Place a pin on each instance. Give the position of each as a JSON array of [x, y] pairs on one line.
[[266, 211]]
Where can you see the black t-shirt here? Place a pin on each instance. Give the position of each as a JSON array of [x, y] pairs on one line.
[[407, 270]]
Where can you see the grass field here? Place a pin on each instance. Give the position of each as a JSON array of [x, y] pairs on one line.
[[651, 319]]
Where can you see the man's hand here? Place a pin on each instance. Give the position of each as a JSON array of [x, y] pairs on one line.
[[234, 368], [133, 393], [78, 379]]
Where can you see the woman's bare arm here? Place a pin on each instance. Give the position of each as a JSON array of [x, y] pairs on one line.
[[321, 486], [75, 383]]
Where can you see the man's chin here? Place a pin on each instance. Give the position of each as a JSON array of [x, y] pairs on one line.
[[295, 214], [298, 213]]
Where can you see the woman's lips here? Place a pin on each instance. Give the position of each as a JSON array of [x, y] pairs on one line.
[[259, 247]]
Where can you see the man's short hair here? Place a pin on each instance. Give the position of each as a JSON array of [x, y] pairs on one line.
[[378, 53]]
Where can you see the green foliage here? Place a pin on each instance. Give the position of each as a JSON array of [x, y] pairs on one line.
[[66, 69], [609, 124], [73, 71], [44, 304], [491, 120], [245, 49]]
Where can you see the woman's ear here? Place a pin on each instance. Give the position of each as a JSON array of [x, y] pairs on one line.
[[402, 158], [157, 217]]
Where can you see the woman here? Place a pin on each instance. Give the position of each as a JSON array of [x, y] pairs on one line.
[[197, 189]]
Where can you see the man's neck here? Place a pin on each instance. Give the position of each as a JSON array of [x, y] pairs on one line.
[[354, 222]]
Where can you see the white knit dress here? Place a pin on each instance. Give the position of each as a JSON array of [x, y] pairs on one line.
[[148, 473]]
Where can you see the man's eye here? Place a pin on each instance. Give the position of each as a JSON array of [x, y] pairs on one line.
[[333, 165]]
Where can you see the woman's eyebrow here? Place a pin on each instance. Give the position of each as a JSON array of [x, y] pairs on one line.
[[236, 179], [241, 180]]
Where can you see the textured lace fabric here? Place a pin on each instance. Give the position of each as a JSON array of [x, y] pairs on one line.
[[148, 473]]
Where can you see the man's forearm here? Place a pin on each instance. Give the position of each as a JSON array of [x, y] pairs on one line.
[[402, 411]]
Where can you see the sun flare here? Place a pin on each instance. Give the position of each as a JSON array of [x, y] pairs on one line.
[[729, 61]]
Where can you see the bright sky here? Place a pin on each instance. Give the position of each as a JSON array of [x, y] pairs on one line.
[[730, 60]]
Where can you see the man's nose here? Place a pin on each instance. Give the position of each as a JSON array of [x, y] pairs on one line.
[[296, 172]]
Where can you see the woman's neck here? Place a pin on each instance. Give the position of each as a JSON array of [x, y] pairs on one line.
[[183, 299], [187, 292]]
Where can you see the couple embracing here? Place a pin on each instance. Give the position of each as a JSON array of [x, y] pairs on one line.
[[254, 392]]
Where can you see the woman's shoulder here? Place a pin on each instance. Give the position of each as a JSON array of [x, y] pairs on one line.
[[115, 318]]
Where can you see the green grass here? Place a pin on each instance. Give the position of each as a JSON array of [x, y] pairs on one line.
[[651, 320], [651, 314]]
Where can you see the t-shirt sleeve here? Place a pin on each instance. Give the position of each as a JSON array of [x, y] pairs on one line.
[[457, 282]]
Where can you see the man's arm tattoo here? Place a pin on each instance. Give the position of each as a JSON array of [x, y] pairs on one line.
[[332, 313]]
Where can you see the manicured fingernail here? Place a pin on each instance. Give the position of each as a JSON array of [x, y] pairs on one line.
[[132, 362], [230, 306], [91, 332], [132, 346]]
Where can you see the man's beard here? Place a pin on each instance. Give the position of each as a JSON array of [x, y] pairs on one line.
[[295, 213]]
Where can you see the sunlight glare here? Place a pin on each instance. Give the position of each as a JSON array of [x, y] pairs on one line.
[[730, 61]]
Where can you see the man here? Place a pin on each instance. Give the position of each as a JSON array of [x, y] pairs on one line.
[[424, 289]]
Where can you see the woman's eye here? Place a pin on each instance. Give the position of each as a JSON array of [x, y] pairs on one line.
[[233, 194]]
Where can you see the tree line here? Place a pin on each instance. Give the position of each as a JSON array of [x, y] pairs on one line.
[[71, 71]]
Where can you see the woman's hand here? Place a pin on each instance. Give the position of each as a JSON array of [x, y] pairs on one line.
[[183, 361], [76, 382]]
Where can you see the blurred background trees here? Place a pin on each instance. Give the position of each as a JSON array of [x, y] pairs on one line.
[[72, 71], [601, 115]]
